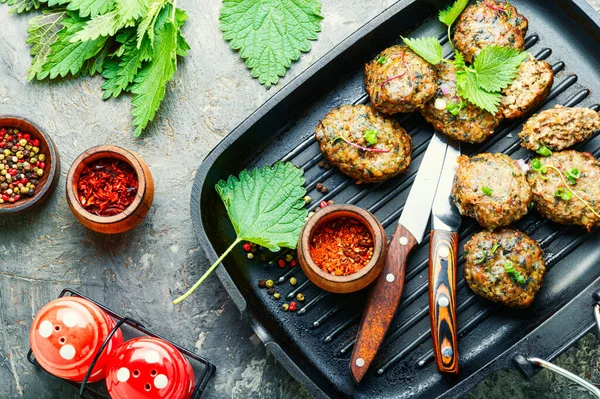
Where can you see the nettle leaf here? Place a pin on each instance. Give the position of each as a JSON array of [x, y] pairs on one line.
[[150, 84], [270, 34], [20, 6], [43, 32], [120, 75], [66, 57], [95, 64], [103, 25], [497, 66], [146, 26], [429, 48], [449, 15], [130, 10], [469, 89], [182, 45], [91, 8], [266, 205]]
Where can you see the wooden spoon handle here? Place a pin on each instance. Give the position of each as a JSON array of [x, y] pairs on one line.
[[442, 299], [382, 302]]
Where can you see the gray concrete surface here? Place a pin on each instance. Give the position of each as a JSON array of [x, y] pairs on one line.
[[141, 271]]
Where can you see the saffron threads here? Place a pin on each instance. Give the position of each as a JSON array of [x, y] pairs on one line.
[[341, 246], [107, 187]]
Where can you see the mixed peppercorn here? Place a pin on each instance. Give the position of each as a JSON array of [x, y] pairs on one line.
[[22, 164], [107, 187], [341, 246]]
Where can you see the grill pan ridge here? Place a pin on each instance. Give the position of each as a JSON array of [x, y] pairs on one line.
[[315, 343]]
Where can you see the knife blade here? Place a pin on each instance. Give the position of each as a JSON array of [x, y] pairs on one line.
[[385, 295], [443, 252]]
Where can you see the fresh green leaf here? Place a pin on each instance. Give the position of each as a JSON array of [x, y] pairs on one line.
[[467, 87], [544, 151], [146, 26], [130, 10], [449, 15], [429, 48], [88, 8], [150, 84], [265, 206], [103, 25], [270, 34], [43, 32], [119, 75], [67, 57], [371, 136], [95, 65], [497, 66], [21, 6], [487, 191], [459, 61], [182, 46]]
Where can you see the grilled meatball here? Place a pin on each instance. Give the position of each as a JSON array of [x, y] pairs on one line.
[[547, 186], [530, 87], [471, 125], [343, 131], [492, 189], [559, 128], [489, 22], [398, 80], [505, 266]]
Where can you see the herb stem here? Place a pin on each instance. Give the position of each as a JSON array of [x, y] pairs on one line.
[[208, 272]]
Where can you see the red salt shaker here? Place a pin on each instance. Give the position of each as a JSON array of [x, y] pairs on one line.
[[66, 335], [149, 368]]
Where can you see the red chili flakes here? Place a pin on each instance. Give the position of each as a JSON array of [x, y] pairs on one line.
[[107, 187], [341, 246]]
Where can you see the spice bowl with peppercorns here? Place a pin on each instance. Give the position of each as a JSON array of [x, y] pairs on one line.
[[342, 248], [109, 189], [29, 165]]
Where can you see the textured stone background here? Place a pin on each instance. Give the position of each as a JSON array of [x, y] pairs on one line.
[[139, 272]]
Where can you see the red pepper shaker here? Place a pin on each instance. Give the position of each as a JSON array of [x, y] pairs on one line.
[[66, 335], [149, 368]]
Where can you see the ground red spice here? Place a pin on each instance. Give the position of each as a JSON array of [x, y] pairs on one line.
[[107, 187], [341, 246]]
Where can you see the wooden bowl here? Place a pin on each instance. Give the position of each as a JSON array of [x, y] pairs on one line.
[[47, 183], [352, 282], [132, 215]]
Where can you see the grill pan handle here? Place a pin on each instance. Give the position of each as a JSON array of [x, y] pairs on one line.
[[565, 373], [596, 296]]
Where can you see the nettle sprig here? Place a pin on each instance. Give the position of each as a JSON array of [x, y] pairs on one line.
[[134, 44], [568, 178], [481, 83]]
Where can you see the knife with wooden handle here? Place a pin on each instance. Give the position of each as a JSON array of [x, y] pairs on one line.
[[385, 295], [443, 252]]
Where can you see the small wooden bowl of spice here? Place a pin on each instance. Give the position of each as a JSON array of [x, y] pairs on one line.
[[342, 248], [109, 189], [29, 165]]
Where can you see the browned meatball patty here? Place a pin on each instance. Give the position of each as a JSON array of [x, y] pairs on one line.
[[531, 86], [492, 189], [546, 186], [505, 266], [471, 125], [559, 128], [349, 124], [489, 22], [398, 80]]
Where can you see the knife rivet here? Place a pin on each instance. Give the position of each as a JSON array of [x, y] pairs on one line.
[[443, 301], [390, 277], [360, 362], [403, 240], [444, 251], [447, 351]]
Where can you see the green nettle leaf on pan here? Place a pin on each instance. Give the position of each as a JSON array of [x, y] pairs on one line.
[[266, 207], [427, 47], [496, 66], [134, 44], [270, 34]]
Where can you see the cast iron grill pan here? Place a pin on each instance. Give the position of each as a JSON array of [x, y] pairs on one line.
[[315, 343]]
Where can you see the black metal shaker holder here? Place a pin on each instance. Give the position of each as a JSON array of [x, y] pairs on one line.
[[85, 392]]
